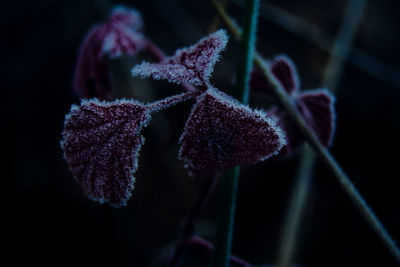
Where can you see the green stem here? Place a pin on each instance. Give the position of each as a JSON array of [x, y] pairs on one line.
[[230, 178], [247, 43], [225, 218]]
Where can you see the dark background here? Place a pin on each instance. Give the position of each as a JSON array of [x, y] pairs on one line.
[[53, 223]]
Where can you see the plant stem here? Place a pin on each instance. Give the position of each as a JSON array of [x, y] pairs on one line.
[[247, 47], [216, 20], [230, 179], [330, 161], [171, 100]]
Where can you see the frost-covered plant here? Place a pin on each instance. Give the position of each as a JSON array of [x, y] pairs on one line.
[[220, 132], [102, 140]]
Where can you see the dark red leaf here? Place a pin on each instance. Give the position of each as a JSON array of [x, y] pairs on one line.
[[191, 65], [316, 107], [101, 143], [318, 110], [222, 133], [285, 72]]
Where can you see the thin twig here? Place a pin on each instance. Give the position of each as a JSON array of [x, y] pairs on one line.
[[312, 139], [171, 100], [216, 20]]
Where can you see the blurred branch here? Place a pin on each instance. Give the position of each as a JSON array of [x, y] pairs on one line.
[[330, 161], [343, 42], [362, 60]]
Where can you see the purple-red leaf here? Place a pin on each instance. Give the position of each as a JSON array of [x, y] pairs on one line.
[[101, 143], [318, 110], [191, 65], [118, 35], [123, 37], [283, 70], [316, 107], [222, 133]]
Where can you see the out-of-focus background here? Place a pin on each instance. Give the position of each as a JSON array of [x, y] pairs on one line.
[[53, 223]]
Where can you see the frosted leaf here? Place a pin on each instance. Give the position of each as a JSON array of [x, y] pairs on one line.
[[316, 107], [222, 133], [101, 143], [283, 69], [191, 65], [122, 40], [92, 76], [117, 36]]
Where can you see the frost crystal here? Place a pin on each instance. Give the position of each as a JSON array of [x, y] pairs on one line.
[[118, 35], [101, 143], [191, 65], [222, 133], [285, 72], [126, 16]]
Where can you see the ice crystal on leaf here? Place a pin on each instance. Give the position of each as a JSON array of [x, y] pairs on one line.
[[222, 133], [191, 65], [283, 70], [118, 35], [101, 143]]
